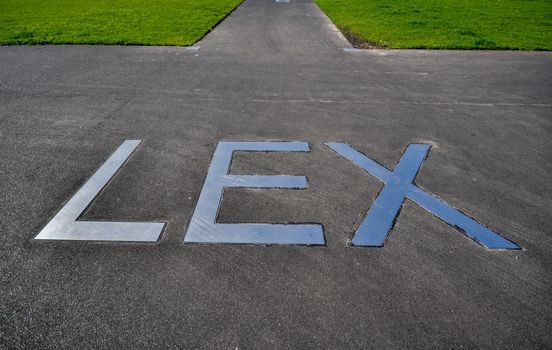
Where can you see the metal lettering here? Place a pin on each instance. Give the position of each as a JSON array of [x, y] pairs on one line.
[[64, 226], [399, 185], [203, 227]]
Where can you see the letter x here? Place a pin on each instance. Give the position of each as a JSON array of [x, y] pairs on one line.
[[399, 185]]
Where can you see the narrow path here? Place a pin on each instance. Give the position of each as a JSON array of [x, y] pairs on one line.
[[277, 30]]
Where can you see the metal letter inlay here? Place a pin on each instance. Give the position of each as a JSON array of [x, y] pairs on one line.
[[64, 226], [399, 185], [203, 227]]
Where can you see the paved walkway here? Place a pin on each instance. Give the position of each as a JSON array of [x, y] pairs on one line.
[[275, 71]]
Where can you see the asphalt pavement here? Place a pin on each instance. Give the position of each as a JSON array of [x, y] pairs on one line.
[[275, 71]]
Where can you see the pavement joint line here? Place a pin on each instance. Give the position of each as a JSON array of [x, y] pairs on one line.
[[178, 94]]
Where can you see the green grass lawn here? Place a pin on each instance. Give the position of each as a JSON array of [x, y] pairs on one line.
[[446, 24], [127, 22]]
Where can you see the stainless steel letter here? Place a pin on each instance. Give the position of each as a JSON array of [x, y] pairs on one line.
[[64, 226], [203, 227], [399, 185]]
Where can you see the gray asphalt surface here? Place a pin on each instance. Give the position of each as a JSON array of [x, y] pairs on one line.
[[275, 71]]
